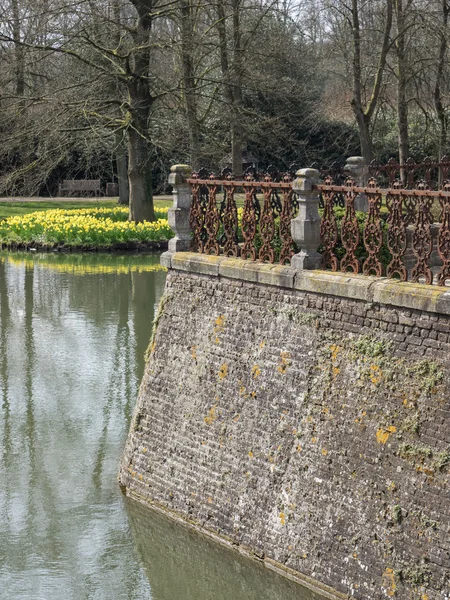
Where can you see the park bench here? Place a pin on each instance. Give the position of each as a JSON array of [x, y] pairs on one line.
[[71, 187]]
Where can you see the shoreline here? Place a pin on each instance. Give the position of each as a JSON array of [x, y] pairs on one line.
[[119, 247]]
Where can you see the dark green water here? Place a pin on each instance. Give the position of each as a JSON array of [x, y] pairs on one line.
[[73, 332]]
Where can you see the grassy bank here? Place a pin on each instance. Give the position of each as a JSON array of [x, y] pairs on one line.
[[90, 228], [13, 208]]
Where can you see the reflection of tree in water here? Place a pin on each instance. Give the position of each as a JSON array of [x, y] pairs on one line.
[[68, 381], [182, 564], [5, 400]]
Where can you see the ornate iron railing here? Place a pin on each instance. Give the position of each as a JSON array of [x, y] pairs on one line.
[[430, 171], [377, 245], [249, 218]]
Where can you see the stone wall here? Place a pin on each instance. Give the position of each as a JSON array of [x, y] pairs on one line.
[[305, 418]]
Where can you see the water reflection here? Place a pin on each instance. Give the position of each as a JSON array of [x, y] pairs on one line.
[[181, 564], [73, 330]]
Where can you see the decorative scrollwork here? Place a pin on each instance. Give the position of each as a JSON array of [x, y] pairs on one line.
[[197, 213], [275, 203], [230, 221], [350, 230], [373, 233], [328, 230], [287, 250], [212, 220], [295, 204], [444, 168], [410, 169], [428, 165], [392, 169], [396, 235], [422, 240], [267, 225], [444, 236], [249, 222], [256, 205], [409, 204]]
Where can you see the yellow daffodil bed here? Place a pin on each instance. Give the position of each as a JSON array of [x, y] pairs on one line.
[[84, 228]]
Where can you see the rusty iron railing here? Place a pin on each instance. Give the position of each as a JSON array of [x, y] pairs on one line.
[[403, 233], [406, 210], [430, 171], [259, 229]]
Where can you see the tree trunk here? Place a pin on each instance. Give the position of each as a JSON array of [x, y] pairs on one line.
[[365, 137], [440, 110], [140, 177], [140, 101], [187, 60], [232, 81], [402, 105], [363, 113], [18, 51], [237, 137], [122, 170]]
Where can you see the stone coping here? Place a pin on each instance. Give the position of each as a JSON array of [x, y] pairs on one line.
[[380, 290]]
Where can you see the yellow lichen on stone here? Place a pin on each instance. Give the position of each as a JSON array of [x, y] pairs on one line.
[[282, 519], [389, 582], [284, 362], [250, 454], [223, 371], [334, 349], [153, 348], [220, 321], [383, 434], [194, 352], [262, 344], [376, 374], [256, 371], [324, 451], [298, 448], [219, 325], [211, 416]]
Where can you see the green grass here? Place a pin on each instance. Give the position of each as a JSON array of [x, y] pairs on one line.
[[12, 209]]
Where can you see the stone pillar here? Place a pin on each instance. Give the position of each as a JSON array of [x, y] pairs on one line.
[[179, 213], [356, 168], [305, 228]]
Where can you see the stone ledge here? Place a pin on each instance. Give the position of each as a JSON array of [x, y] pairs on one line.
[[381, 290]]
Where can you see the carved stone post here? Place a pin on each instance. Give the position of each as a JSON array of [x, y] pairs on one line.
[[356, 168], [179, 213], [305, 228]]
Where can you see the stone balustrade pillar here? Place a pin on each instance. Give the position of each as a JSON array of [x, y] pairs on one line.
[[305, 228], [356, 168], [179, 212]]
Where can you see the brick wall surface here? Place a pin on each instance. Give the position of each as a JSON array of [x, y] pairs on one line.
[[313, 430]]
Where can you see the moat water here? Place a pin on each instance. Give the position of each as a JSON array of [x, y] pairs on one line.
[[73, 333]]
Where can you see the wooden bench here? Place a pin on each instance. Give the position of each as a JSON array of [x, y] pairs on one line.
[[71, 187]]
